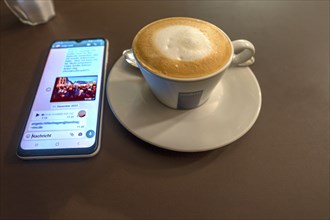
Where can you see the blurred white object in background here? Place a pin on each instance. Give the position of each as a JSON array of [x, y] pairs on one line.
[[32, 12]]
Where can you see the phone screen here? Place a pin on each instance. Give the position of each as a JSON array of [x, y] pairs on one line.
[[66, 109]]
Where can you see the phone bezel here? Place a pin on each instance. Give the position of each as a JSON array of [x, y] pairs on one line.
[[68, 152]]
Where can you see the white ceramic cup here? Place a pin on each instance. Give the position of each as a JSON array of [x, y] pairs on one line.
[[189, 93], [32, 12]]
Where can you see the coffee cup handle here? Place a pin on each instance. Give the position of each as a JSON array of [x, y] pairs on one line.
[[129, 58], [243, 53]]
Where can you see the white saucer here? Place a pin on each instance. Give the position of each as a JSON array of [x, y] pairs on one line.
[[229, 113]]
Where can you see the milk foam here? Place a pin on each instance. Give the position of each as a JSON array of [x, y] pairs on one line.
[[182, 42], [182, 48]]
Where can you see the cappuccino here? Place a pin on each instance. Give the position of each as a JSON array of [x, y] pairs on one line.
[[182, 48]]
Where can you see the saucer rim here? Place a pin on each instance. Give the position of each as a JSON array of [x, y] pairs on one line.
[[172, 148]]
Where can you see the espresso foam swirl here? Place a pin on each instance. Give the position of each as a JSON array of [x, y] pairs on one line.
[[181, 42], [182, 47]]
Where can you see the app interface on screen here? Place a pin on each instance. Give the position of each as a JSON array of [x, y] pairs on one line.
[[65, 110]]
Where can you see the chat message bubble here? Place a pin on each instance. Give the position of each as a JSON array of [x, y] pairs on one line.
[[82, 59], [58, 120], [57, 125], [59, 114]]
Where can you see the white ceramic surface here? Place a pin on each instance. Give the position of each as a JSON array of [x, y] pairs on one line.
[[230, 112]]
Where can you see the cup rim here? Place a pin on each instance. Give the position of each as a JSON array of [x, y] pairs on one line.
[[224, 67]]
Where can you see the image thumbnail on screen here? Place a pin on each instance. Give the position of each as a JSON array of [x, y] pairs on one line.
[[74, 88]]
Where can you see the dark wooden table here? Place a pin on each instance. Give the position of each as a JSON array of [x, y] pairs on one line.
[[278, 170]]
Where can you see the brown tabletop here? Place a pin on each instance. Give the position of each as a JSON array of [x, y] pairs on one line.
[[278, 170]]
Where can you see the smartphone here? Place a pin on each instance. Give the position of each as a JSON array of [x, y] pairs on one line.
[[65, 118]]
